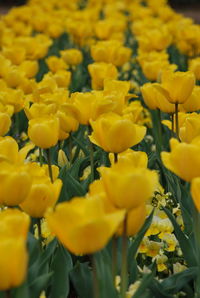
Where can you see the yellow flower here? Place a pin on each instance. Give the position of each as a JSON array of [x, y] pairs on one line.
[[115, 134], [190, 128], [183, 160], [55, 63], [137, 159], [192, 104], [72, 56], [44, 131], [14, 274], [5, 123], [160, 261], [195, 191], [82, 225], [177, 86], [42, 195], [133, 186], [194, 65], [100, 71], [62, 159], [30, 68]]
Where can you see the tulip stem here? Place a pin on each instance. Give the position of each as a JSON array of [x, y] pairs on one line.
[[95, 278], [176, 120], [172, 119], [115, 157], [197, 240], [91, 156], [49, 164], [114, 258], [40, 156], [160, 128], [8, 294], [124, 259], [70, 149], [39, 232]]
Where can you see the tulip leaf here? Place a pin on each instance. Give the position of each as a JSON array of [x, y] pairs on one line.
[[61, 266], [157, 290], [136, 243], [184, 242], [21, 292], [175, 283], [145, 282], [40, 284], [81, 278], [104, 275]]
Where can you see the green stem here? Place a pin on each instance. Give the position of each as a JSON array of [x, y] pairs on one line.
[[160, 128], [176, 120], [197, 242], [114, 258], [49, 164], [39, 232], [124, 260], [115, 157], [172, 119], [91, 149], [95, 278], [40, 156], [70, 149], [8, 294]]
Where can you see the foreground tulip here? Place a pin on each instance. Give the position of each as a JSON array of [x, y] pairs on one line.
[[72, 56], [13, 253], [132, 186], [82, 224], [12, 273], [195, 191], [44, 131], [192, 104], [115, 134], [183, 160]]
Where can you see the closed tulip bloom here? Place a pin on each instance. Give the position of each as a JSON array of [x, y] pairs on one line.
[[13, 262], [132, 186], [135, 220], [12, 218], [100, 71], [115, 133], [15, 184], [192, 104], [194, 65], [82, 224], [44, 132], [183, 160], [72, 56], [5, 123], [30, 68], [43, 194], [190, 129], [155, 99], [195, 191], [179, 85], [137, 159]]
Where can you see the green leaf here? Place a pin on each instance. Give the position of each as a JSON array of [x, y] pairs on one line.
[[104, 275], [81, 278], [40, 284], [61, 266], [21, 292], [146, 281], [136, 243], [184, 242], [176, 282]]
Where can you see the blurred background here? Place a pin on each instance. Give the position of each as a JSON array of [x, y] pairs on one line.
[[190, 8]]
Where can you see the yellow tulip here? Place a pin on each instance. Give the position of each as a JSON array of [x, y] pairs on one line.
[[82, 224], [5, 123], [13, 273], [132, 186], [30, 68], [72, 56], [137, 159], [194, 65], [12, 218], [135, 220], [190, 129], [192, 104], [195, 191], [43, 194], [183, 160], [100, 71], [15, 184], [55, 63], [44, 131], [115, 134], [178, 86]]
